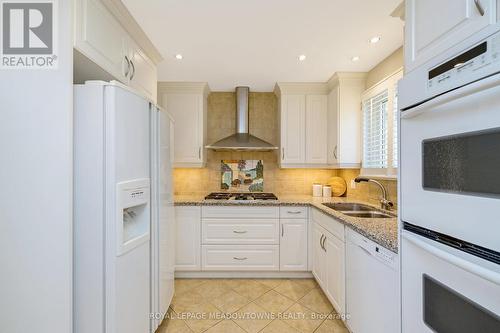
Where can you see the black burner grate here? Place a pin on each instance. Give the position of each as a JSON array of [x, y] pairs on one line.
[[241, 196]]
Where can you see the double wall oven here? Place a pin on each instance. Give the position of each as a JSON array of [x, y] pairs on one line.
[[450, 192]]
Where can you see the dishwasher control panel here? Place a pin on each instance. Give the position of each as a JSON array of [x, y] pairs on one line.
[[379, 252], [384, 254]]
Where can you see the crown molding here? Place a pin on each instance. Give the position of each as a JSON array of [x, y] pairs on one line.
[[346, 77], [399, 11], [166, 87], [290, 88], [127, 21]]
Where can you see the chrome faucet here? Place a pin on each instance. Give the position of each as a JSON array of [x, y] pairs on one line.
[[385, 203]]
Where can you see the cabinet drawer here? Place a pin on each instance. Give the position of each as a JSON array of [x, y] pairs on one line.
[[235, 231], [240, 257], [292, 212], [329, 223], [240, 212]]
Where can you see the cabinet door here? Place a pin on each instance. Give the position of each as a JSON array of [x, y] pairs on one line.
[[434, 26], [188, 242], [143, 72], [316, 129], [187, 110], [293, 245], [100, 37], [335, 271], [292, 129], [333, 126], [318, 257]]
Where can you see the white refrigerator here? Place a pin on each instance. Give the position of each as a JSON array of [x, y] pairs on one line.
[[163, 215], [114, 209]]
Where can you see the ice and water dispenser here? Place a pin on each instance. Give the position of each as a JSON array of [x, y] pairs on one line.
[[133, 214]]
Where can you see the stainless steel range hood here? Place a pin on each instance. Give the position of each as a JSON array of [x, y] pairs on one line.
[[242, 140]]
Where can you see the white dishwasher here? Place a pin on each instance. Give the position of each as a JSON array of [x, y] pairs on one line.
[[372, 287]]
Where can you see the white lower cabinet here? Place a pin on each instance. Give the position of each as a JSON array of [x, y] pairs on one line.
[[318, 254], [329, 258], [240, 238], [293, 245], [240, 257], [335, 271], [240, 231], [188, 240]]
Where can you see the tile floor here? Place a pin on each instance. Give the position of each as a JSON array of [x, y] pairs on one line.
[[250, 306]]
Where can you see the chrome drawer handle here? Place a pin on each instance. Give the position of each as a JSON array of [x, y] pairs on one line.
[[238, 258], [294, 212], [240, 232]]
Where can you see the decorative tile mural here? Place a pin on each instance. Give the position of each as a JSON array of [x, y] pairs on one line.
[[242, 175]]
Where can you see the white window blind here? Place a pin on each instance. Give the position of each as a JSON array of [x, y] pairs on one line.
[[395, 128], [375, 131]]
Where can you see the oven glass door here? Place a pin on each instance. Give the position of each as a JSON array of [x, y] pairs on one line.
[[440, 295], [450, 168]]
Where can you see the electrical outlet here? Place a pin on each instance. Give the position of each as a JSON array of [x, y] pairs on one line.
[[353, 184]]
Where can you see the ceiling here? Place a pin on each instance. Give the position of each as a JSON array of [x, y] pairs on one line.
[[257, 43]]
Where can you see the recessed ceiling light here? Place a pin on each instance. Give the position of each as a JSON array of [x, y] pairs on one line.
[[302, 57], [375, 39], [178, 56], [355, 58]]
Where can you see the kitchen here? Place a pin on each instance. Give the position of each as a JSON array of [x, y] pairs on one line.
[[279, 166]]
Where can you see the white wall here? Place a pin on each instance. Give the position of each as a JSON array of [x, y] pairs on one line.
[[386, 67], [36, 193]]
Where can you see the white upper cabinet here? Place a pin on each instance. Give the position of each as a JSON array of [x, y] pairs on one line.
[[142, 75], [434, 26], [293, 142], [316, 129], [303, 129], [187, 102], [344, 120], [100, 36]]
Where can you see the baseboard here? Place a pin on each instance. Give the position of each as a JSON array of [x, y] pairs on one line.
[[242, 275]]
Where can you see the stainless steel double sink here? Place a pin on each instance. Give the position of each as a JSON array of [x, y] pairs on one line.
[[357, 210]]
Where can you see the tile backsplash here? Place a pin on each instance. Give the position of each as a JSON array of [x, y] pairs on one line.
[[263, 114]]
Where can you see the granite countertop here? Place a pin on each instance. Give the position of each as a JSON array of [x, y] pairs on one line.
[[383, 231]]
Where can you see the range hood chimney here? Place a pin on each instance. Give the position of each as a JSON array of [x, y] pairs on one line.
[[242, 140]]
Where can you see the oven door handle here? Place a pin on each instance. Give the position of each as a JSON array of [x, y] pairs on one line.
[[471, 267], [457, 93]]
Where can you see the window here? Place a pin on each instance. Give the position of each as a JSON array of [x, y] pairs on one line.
[[375, 131], [395, 128], [380, 134]]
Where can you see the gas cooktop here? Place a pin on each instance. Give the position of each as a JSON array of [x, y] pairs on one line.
[[241, 196]]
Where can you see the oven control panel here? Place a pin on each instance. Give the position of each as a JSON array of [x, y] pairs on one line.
[[477, 62]]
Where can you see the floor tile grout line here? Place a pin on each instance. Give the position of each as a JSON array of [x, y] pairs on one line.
[[253, 300]]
